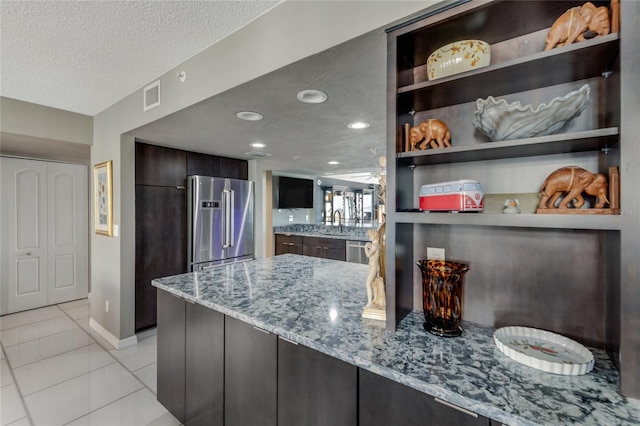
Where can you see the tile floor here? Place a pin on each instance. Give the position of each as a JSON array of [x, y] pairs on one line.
[[55, 370]]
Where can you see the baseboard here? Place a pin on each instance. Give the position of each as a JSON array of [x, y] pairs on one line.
[[113, 340]]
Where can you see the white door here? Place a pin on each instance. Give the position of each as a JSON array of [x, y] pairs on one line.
[[67, 214], [43, 214]]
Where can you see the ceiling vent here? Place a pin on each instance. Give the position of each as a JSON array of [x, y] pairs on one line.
[[151, 96], [258, 154]]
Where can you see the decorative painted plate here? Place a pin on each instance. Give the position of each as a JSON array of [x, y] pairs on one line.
[[544, 350]]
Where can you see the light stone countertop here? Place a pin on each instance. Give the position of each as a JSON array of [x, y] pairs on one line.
[[318, 303], [349, 233]]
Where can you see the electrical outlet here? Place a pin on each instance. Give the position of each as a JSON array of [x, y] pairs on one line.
[[116, 230], [306, 218], [290, 218], [434, 253], [106, 306]]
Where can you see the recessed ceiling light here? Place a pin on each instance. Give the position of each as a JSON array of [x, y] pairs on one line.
[[312, 96], [258, 145], [333, 163], [249, 116], [358, 125]]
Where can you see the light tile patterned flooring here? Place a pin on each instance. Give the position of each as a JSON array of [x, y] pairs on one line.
[[55, 370]]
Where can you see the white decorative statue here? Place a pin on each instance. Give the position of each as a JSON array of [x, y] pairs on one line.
[[376, 299]]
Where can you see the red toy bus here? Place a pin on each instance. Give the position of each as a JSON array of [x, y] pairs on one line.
[[463, 195]]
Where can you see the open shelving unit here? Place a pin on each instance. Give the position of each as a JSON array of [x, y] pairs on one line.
[[576, 275]]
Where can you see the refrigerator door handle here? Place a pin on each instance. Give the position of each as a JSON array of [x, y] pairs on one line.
[[232, 203], [227, 205]]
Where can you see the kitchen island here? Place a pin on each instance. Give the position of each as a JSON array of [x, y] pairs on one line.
[[317, 304]]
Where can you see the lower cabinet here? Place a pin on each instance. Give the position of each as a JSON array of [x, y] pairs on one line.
[[385, 402], [204, 375], [171, 354], [288, 244], [190, 361], [315, 389], [215, 370], [250, 382], [326, 248]]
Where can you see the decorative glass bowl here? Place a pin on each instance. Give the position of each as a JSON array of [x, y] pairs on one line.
[[442, 296], [457, 57]]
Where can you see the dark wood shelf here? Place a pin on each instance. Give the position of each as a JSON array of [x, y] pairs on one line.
[[578, 61], [590, 140], [588, 222]]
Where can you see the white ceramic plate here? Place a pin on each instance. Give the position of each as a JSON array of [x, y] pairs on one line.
[[544, 350]]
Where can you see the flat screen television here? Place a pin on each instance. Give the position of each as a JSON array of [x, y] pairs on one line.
[[294, 193]]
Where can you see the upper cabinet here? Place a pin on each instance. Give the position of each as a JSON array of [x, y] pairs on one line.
[[160, 166], [567, 273]]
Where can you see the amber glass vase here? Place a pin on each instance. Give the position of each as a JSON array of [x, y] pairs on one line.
[[442, 296]]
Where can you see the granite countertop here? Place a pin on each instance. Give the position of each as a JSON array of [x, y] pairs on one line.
[[300, 299], [350, 233]]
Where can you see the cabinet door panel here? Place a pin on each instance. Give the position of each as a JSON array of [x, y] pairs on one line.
[[203, 164], [315, 389], [171, 354], [204, 366], [334, 253], [312, 250], [385, 402], [234, 169], [250, 382], [159, 166], [161, 244]]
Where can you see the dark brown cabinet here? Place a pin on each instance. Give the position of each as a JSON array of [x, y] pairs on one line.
[[234, 169], [204, 375], [315, 389], [203, 164], [288, 244], [386, 402], [250, 375], [159, 166], [326, 248], [190, 361], [161, 215], [160, 244], [171, 358]]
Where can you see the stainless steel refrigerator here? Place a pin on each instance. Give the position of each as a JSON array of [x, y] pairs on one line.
[[220, 221]]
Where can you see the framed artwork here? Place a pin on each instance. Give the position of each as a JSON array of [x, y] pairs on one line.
[[103, 193]]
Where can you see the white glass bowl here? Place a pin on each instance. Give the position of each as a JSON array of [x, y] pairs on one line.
[[457, 57]]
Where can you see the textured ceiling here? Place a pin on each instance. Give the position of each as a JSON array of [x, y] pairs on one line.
[[84, 56], [301, 138]]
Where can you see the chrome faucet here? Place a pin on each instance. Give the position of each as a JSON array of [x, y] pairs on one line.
[[339, 220]]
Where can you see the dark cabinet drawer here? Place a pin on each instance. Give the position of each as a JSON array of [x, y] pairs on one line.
[[385, 402]]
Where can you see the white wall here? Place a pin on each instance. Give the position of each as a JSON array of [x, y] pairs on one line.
[[288, 33]]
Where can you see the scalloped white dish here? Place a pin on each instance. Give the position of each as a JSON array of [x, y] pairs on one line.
[[544, 350]]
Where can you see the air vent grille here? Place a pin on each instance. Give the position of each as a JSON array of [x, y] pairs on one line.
[[151, 96]]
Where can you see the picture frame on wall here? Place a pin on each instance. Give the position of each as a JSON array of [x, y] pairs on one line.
[[103, 198]]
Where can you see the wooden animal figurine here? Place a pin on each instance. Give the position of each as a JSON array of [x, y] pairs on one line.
[[430, 133], [573, 181], [574, 23]]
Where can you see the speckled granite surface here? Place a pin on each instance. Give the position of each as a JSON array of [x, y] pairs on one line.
[[351, 233], [318, 303]]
